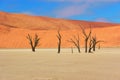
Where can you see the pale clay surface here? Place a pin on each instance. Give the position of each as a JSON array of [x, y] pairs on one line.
[[46, 64]]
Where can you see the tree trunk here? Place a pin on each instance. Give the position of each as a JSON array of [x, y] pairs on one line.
[[59, 46], [90, 50], [58, 49], [99, 46], [72, 49], [85, 46], [33, 49], [93, 47], [78, 49]]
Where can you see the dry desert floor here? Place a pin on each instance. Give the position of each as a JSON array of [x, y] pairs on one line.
[[46, 64]]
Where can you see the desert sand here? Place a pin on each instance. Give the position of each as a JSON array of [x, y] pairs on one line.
[[46, 64], [20, 63]]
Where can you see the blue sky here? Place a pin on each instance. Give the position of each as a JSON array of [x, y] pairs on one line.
[[90, 10]]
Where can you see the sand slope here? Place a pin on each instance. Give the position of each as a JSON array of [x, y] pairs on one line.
[[15, 27]]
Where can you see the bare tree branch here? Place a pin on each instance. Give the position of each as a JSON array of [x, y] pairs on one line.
[[76, 42], [59, 40], [33, 42], [86, 36], [90, 45], [95, 42]]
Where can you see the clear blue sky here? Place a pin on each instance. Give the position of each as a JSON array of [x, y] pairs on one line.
[[90, 10]]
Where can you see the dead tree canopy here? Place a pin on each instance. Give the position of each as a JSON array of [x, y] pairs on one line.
[[59, 40], [76, 41], [86, 36], [95, 42], [33, 41], [92, 44]]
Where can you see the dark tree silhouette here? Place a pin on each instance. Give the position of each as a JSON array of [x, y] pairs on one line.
[[90, 45], [59, 40], [76, 42], [33, 42], [86, 36], [95, 42], [72, 49], [99, 46]]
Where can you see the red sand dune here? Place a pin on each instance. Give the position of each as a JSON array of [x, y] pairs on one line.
[[15, 27]]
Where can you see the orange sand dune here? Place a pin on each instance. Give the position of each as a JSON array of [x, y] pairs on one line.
[[45, 23], [15, 27]]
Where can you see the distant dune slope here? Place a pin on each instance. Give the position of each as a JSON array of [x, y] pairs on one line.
[[15, 27]]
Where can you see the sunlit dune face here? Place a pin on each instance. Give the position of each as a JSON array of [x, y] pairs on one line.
[[16, 38], [15, 27]]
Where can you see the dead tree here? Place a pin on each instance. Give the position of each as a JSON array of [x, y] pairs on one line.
[[76, 42], [99, 46], [95, 42], [59, 40], [72, 49], [90, 45], [86, 36], [33, 42]]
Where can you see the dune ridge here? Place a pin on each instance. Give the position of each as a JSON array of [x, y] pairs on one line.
[[15, 27]]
